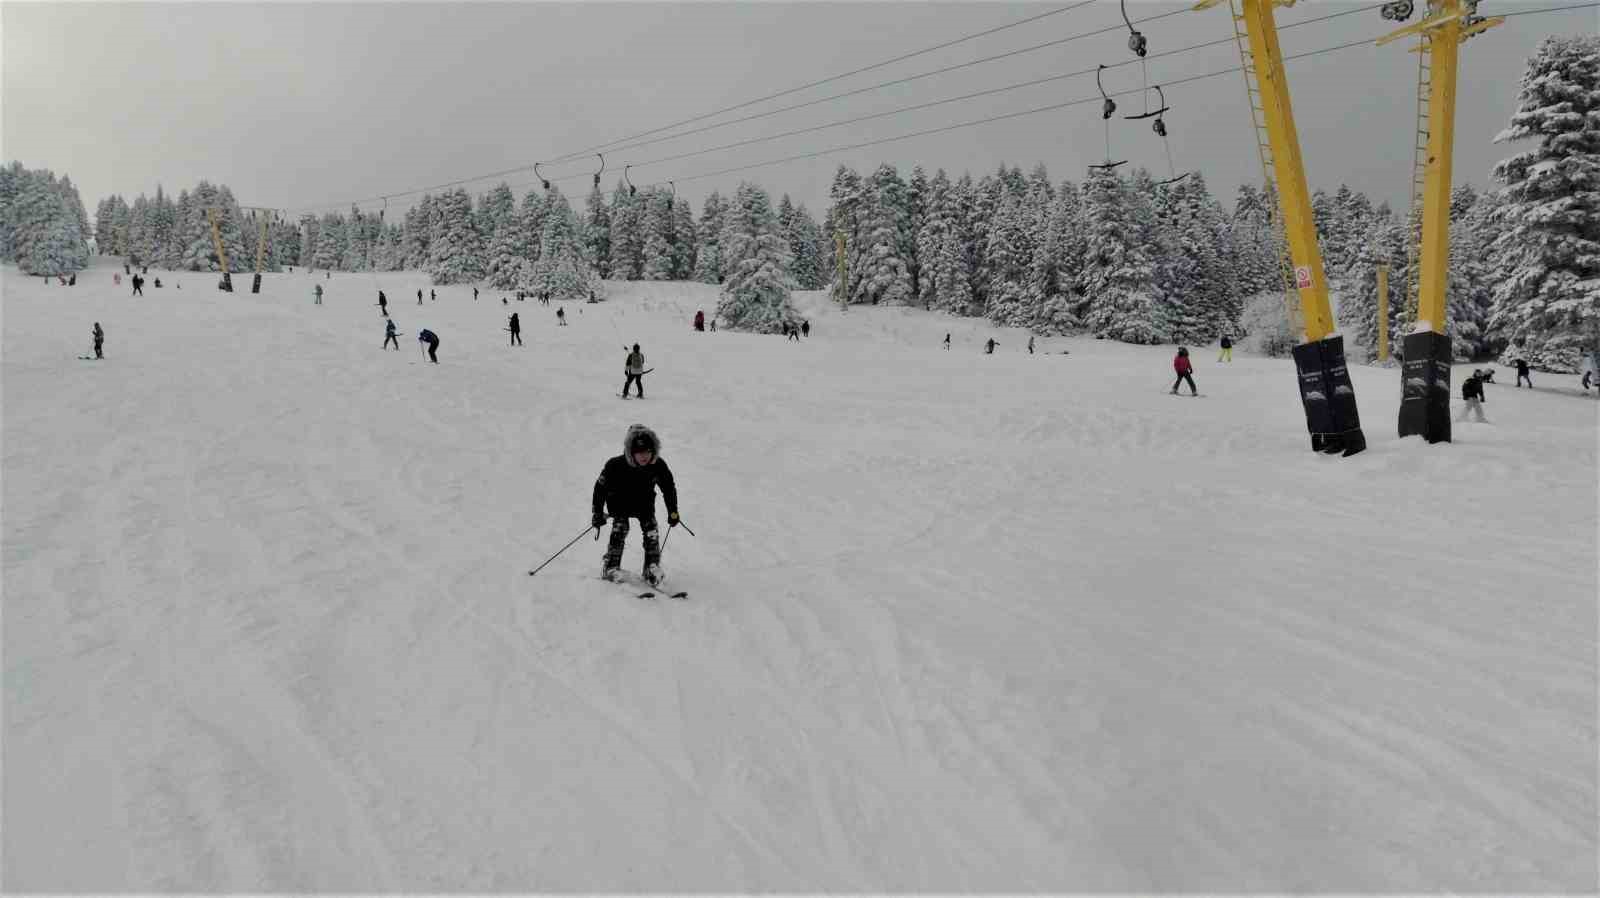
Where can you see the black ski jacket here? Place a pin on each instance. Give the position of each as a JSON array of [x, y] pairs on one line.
[[629, 490], [1472, 388]]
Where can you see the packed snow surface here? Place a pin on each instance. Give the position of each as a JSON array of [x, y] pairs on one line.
[[958, 622]]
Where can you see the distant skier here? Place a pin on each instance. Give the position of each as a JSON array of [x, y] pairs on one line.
[[158, 283], [1030, 344], [947, 342], [383, 305], [561, 315], [126, 269], [389, 335], [1522, 373], [805, 328], [634, 369], [713, 325], [99, 340], [138, 286], [1588, 378], [1472, 395], [988, 348], [433, 296], [431, 339], [1226, 355], [792, 330], [700, 320], [627, 488], [72, 281], [474, 294], [318, 293], [1180, 364], [516, 330], [544, 298], [419, 297]]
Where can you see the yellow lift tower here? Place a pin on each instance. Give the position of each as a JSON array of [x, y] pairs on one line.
[[1425, 373], [1325, 389], [226, 284]]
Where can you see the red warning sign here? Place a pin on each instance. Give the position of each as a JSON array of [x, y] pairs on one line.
[[1302, 277]]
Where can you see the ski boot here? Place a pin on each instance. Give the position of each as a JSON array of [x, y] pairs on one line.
[[653, 575], [613, 574]]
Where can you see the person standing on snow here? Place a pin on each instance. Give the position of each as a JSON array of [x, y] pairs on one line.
[[947, 342], [1180, 364], [318, 293], [1522, 373], [1030, 344], [474, 294], [419, 297], [389, 335], [1226, 355], [431, 339], [383, 305], [627, 488], [516, 330], [1472, 395], [634, 369], [988, 348], [561, 315], [805, 328], [433, 296], [138, 286], [99, 340], [700, 320]]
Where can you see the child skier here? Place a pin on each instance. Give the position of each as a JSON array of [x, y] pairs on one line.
[[1180, 364], [1472, 395], [627, 488], [1226, 355], [389, 335], [634, 369]]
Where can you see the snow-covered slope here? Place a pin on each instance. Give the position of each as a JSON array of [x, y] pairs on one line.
[[959, 622]]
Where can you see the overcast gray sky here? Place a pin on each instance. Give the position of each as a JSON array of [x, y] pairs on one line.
[[307, 104]]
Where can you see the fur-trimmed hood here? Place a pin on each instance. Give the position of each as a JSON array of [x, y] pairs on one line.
[[639, 431]]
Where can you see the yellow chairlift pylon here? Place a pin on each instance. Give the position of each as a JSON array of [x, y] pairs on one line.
[[1425, 375], [1324, 379]]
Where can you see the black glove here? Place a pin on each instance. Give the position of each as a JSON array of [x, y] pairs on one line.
[[672, 519], [599, 520]]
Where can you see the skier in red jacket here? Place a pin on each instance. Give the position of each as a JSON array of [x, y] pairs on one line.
[[1180, 364]]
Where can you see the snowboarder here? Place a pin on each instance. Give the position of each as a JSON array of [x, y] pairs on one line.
[[805, 328], [432, 340], [1522, 373], [561, 315], [988, 348], [99, 340], [1180, 364], [419, 297], [1030, 344], [634, 369], [700, 320], [1226, 355], [947, 342], [138, 286], [318, 293], [383, 304], [1472, 394], [389, 335], [516, 330], [627, 488]]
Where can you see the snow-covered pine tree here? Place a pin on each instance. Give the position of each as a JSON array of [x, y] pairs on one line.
[[883, 278], [1060, 257], [332, 238], [911, 228], [1008, 258], [562, 269], [656, 231], [936, 217], [455, 255], [1470, 293], [980, 217], [684, 240], [1118, 277], [627, 234], [530, 221], [494, 208], [1358, 303], [849, 200], [416, 235], [708, 254], [597, 224], [47, 238], [756, 294], [505, 261], [1182, 268], [1547, 303], [311, 229], [808, 268]]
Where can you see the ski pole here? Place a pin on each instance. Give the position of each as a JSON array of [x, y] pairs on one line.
[[566, 547]]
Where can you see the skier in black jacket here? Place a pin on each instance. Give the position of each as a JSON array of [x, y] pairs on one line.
[[627, 488]]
